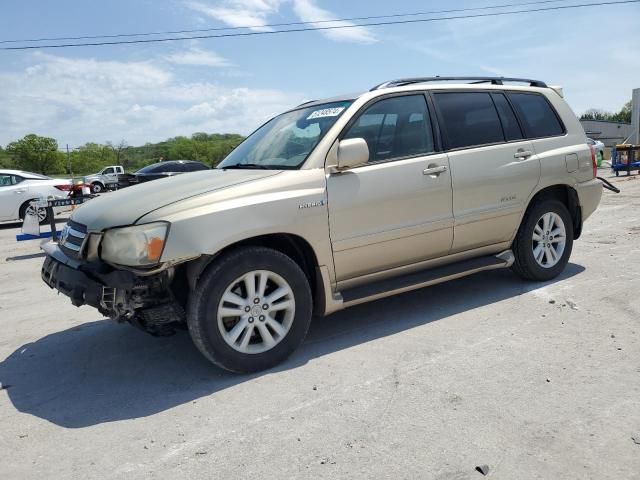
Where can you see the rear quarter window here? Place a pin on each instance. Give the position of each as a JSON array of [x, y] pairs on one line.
[[537, 116], [470, 119]]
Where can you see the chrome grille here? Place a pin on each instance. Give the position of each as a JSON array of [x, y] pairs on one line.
[[72, 239]]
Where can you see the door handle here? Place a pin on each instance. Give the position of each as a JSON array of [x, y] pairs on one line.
[[522, 154], [434, 170], [19, 191]]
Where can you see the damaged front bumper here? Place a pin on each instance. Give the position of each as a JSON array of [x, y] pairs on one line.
[[144, 301]]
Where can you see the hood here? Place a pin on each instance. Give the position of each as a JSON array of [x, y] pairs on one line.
[[126, 206]]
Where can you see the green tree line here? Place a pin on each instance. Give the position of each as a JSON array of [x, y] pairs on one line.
[[43, 154], [623, 116]]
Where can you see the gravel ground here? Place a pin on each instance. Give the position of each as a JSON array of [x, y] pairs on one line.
[[533, 380]]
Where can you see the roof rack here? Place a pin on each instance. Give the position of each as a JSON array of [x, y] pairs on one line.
[[493, 80], [306, 103]]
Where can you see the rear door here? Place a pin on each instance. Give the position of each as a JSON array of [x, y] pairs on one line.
[[543, 126], [494, 168], [396, 209]]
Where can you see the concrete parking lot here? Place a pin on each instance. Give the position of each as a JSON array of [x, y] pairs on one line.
[[533, 380]]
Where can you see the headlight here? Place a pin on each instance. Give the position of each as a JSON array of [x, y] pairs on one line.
[[134, 246]]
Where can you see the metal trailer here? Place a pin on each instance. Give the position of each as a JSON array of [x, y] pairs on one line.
[[626, 159]]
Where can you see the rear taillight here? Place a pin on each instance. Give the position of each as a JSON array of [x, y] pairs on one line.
[[64, 188], [594, 163]]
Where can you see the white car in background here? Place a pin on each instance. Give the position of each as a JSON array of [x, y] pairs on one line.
[[18, 189], [598, 147]]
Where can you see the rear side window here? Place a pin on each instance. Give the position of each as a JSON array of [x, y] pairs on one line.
[[396, 127], [538, 118], [470, 118], [507, 117]]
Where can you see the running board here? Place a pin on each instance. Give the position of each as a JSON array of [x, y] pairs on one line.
[[424, 278]]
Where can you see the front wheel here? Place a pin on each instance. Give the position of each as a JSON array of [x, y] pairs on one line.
[[96, 187], [251, 309], [544, 241]]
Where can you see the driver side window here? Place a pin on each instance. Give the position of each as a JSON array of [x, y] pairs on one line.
[[5, 180], [8, 180], [395, 128]]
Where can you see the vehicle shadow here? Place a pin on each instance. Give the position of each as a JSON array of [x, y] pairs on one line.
[[29, 256], [103, 372]]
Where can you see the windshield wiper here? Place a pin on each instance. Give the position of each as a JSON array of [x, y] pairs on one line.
[[248, 166]]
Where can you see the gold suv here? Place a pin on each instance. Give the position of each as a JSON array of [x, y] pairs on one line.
[[335, 203]]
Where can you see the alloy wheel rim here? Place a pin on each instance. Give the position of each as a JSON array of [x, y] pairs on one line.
[[39, 212], [256, 312], [549, 240]]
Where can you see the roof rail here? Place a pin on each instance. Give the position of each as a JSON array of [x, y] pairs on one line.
[[493, 80]]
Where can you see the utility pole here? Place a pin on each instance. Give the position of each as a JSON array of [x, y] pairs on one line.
[[635, 117], [69, 162]]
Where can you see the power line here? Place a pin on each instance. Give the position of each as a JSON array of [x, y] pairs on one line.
[[310, 22], [312, 29]]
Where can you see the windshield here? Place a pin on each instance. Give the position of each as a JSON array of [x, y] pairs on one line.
[[286, 141]]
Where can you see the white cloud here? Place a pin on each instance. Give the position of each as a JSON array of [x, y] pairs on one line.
[[256, 14], [308, 11], [81, 100], [198, 57], [240, 13]]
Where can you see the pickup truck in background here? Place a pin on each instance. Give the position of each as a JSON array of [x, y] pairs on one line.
[[107, 178]]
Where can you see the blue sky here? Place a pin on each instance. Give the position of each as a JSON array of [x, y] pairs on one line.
[[150, 92]]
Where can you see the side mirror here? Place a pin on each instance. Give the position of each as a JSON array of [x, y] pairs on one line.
[[351, 153]]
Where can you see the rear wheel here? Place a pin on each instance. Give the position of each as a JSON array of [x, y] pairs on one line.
[[250, 310], [544, 241], [28, 208]]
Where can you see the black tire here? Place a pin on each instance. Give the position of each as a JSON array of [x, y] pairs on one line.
[[204, 300], [525, 264], [96, 187], [23, 213]]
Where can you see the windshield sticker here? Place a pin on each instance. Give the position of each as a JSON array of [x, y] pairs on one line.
[[326, 112]]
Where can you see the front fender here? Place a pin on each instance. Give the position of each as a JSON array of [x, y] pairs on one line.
[[292, 204]]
